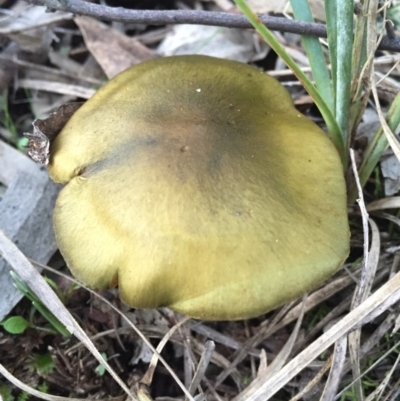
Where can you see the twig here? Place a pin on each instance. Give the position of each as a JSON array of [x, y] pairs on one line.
[[199, 17], [166, 17]]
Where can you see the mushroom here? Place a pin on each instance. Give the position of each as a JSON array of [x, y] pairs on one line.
[[194, 183]]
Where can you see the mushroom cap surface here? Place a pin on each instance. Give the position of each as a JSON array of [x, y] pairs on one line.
[[194, 183]]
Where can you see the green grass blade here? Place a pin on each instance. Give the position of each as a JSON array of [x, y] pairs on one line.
[[344, 49], [316, 57], [377, 146], [58, 326], [331, 27], [333, 128], [21, 286]]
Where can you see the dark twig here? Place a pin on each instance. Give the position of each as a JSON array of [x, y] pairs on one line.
[[166, 17]]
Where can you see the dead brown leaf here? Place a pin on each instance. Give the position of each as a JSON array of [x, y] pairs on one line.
[[45, 131], [113, 50]]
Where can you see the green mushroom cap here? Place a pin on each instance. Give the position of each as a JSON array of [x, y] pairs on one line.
[[194, 183]]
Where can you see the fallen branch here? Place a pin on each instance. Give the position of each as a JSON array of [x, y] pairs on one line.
[[197, 17]]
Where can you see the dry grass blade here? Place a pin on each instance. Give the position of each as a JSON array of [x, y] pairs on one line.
[[361, 293], [364, 285], [391, 202], [314, 299], [49, 71], [391, 218], [393, 141], [38, 285], [384, 297], [223, 339], [57, 87], [278, 323], [380, 332], [284, 353], [267, 328], [394, 393], [203, 364], [189, 359], [148, 376], [365, 39], [219, 360], [339, 357], [354, 351], [20, 23], [263, 363], [332, 315], [376, 394], [373, 366], [127, 320], [317, 378]]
